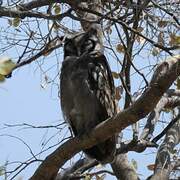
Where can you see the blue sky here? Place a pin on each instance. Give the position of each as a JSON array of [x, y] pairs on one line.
[[23, 100]]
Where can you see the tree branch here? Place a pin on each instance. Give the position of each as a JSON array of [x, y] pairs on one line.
[[166, 129], [23, 14], [145, 104], [165, 102], [122, 168], [164, 165]]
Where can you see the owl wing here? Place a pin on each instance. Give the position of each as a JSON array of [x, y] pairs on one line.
[[101, 82]]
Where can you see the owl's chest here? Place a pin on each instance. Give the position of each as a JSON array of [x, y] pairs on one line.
[[78, 100], [75, 85]]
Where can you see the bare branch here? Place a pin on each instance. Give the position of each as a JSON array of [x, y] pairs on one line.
[[49, 168], [163, 160], [166, 11], [125, 25], [23, 14], [153, 118], [47, 49], [166, 129], [122, 168]]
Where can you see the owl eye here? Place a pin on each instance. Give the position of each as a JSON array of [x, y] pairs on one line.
[[88, 46], [88, 43], [70, 49]]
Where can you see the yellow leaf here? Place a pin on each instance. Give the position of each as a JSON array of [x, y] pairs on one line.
[[140, 29], [155, 51], [178, 83], [2, 78], [87, 177], [167, 110], [177, 40], [115, 75], [140, 39], [162, 23], [118, 92], [16, 21], [161, 38], [174, 39], [57, 9], [99, 166], [56, 26], [50, 45], [100, 177], [120, 48], [151, 167], [6, 65]]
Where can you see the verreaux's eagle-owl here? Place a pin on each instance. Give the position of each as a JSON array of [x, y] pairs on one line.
[[87, 90]]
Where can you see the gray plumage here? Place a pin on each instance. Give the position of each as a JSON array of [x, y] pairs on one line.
[[87, 90]]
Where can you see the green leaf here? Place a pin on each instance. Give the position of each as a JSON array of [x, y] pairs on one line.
[[162, 23], [2, 170], [16, 21], [57, 9], [155, 51], [87, 177], [2, 78], [115, 75], [6, 65]]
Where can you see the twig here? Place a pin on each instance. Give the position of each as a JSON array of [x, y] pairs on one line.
[[159, 136]]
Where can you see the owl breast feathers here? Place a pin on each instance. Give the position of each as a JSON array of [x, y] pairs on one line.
[[87, 91]]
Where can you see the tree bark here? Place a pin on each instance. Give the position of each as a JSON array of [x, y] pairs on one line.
[[164, 163], [168, 71], [122, 168]]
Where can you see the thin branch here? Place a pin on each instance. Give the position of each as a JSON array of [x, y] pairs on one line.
[[164, 165], [125, 25], [44, 51], [7, 12], [166, 11], [148, 100], [166, 129]]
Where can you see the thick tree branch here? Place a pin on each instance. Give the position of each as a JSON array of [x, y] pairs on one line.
[[164, 165], [170, 70], [77, 169], [23, 14], [122, 168], [83, 165], [165, 102], [40, 3]]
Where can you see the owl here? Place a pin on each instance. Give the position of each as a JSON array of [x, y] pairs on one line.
[[87, 90]]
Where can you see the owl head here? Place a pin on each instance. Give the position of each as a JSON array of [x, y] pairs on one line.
[[82, 43]]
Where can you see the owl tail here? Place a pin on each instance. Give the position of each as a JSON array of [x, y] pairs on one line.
[[103, 152]]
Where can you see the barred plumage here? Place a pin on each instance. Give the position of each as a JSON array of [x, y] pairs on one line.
[[87, 90]]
